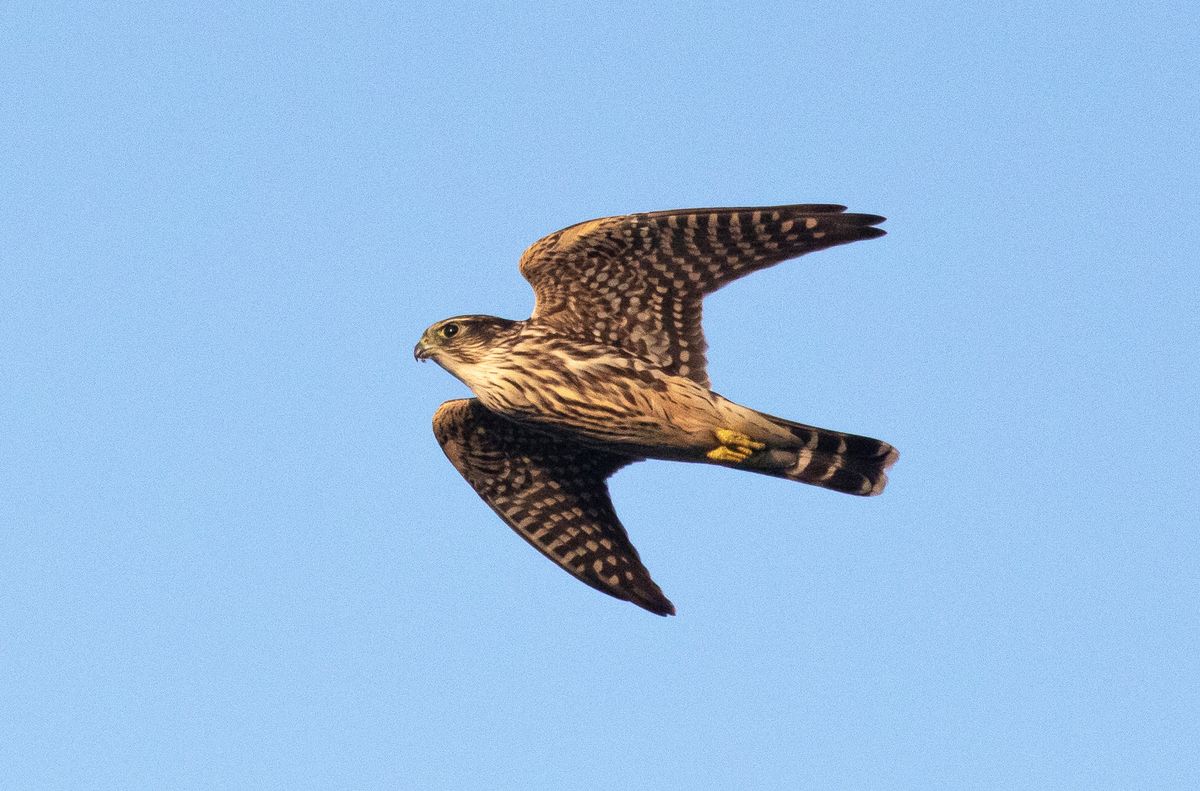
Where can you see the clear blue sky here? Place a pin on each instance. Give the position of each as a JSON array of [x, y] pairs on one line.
[[233, 556]]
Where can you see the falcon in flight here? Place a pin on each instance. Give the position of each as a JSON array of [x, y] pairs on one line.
[[610, 370]]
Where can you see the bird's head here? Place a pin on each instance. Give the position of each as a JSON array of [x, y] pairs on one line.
[[461, 340]]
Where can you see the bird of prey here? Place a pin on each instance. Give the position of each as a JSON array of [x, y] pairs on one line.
[[610, 370]]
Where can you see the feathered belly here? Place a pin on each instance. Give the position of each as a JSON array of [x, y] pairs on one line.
[[606, 406]]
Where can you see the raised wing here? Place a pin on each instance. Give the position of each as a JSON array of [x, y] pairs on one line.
[[637, 281], [552, 492]]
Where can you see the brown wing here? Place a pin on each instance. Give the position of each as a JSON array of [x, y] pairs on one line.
[[552, 492], [637, 281]]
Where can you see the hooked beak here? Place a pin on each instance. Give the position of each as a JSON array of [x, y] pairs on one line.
[[421, 351]]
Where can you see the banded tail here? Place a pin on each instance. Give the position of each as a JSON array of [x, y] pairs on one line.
[[829, 459]]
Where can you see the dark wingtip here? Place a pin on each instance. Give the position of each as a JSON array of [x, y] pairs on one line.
[[815, 208], [664, 609], [653, 601], [859, 219], [858, 226]]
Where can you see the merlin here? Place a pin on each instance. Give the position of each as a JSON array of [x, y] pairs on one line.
[[610, 370]]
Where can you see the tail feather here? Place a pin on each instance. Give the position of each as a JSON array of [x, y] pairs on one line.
[[832, 460]]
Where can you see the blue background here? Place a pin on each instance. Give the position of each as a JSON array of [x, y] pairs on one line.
[[233, 556]]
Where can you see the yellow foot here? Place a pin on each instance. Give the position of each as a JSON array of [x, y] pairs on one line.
[[722, 453], [735, 447]]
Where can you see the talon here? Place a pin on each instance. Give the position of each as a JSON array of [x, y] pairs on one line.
[[723, 453], [738, 439], [735, 447]]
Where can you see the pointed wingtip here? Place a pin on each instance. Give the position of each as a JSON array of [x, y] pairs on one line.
[[851, 227], [665, 609], [653, 601]]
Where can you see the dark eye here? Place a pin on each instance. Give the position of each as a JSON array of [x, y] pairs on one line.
[[449, 331]]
